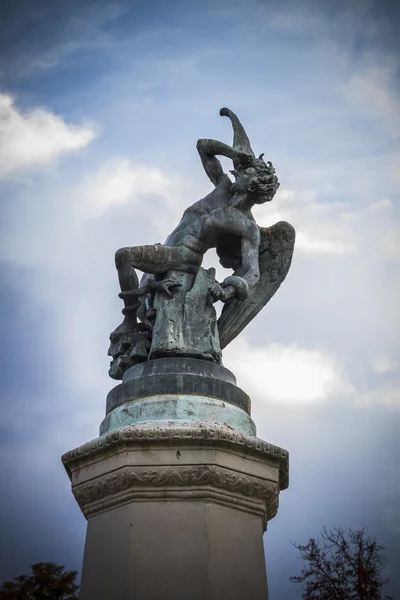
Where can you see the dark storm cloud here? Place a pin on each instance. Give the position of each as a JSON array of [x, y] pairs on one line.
[[39, 37], [29, 26], [341, 460], [30, 500], [29, 365], [39, 518], [32, 29], [28, 351]]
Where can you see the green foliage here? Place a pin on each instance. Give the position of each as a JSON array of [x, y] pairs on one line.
[[48, 581], [341, 567]]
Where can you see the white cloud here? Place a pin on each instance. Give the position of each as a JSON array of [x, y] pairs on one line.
[[307, 243], [384, 203], [377, 223], [390, 243], [388, 397], [119, 181], [36, 137], [289, 374], [120, 203], [372, 92], [320, 228], [292, 375], [384, 363], [335, 229], [113, 206]]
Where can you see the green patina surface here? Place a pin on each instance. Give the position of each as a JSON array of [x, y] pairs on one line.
[[180, 407]]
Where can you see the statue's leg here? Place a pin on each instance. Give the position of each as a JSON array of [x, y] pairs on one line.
[[128, 281], [155, 260]]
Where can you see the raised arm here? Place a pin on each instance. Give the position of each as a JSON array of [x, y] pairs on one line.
[[209, 149]]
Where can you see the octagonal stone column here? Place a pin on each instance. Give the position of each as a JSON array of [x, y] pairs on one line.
[[176, 510], [177, 490]]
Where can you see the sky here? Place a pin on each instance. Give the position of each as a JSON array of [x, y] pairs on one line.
[[101, 104]]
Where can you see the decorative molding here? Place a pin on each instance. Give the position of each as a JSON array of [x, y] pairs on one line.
[[189, 434], [170, 478], [249, 505]]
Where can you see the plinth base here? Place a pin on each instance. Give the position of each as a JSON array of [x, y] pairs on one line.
[[176, 511], [178, 389]]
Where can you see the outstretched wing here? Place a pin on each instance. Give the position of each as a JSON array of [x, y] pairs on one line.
[[275, 257]]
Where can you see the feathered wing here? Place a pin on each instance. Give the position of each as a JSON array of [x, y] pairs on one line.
[[275, 257]]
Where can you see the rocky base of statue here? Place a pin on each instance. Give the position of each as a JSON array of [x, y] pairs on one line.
[[186, 321], [180, 321], [176, 510]]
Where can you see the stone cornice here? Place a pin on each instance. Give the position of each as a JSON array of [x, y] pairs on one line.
[[169, 433], [203, 481]]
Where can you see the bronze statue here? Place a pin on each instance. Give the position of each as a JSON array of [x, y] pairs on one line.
[[157, 319]]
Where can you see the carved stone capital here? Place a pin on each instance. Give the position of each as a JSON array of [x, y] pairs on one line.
[[185, 432], [221, 485], [196, 461]]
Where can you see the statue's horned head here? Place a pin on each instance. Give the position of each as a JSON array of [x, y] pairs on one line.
[[253, 175], [257, 178]]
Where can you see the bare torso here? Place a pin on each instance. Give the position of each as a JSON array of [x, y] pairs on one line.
[[209, 220]]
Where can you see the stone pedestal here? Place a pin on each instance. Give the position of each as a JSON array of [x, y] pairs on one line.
[[176, 506], [177, 389]]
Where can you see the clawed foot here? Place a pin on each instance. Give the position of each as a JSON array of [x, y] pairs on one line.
[[164, 286]]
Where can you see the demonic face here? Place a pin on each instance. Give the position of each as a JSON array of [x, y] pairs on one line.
[[258, 181]]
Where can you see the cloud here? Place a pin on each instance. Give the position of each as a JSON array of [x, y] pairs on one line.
[[126, 203], [321, 228], [328, 228], [305, 242], [388, 397], [382, 204], [118, 203], [119, 181], [289, 374], [49, 38], [337, 306], [390, 243], [373, 92], [391, 515], [384, 363], [36, 137], [293, 375]]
